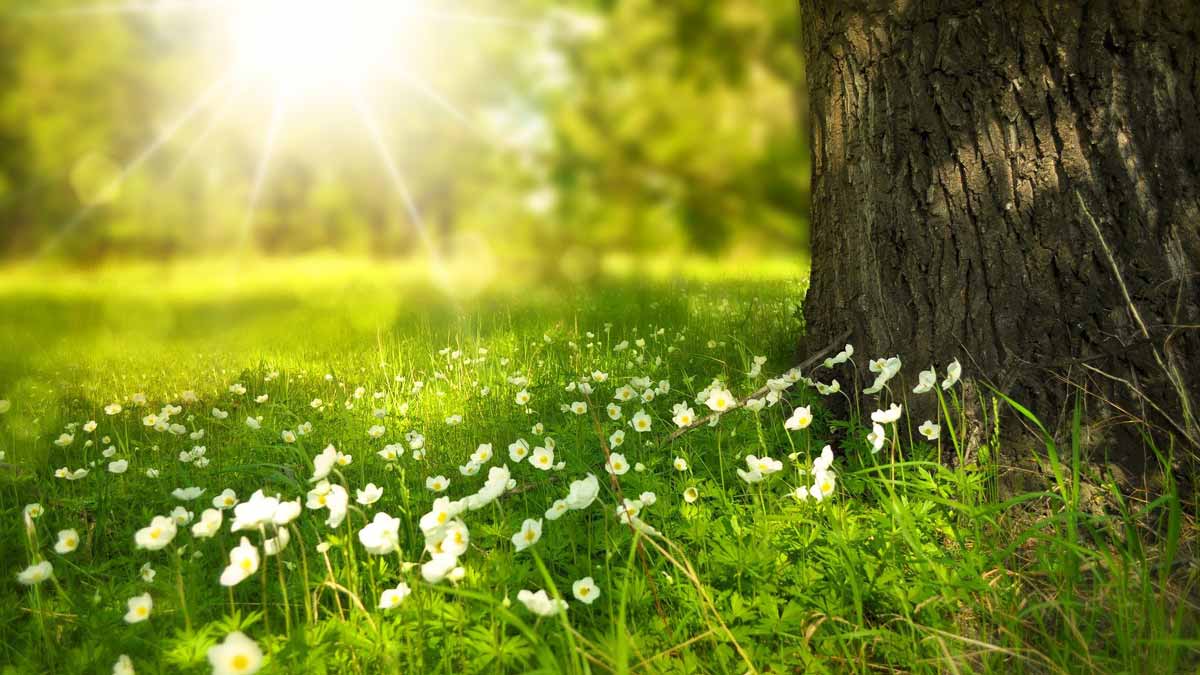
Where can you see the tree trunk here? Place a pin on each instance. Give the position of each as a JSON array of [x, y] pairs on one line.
[[1014, 184]]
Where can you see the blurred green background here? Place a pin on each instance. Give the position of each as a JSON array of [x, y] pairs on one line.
[[585, 129]]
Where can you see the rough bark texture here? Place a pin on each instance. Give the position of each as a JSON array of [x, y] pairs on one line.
[[1002, 182]]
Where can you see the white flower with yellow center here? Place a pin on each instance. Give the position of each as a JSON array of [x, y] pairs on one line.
[[528, 535], [585, 590], [542, 458], [68, 541], [641, 422], [237, 655], [243, 562], [139, 608], [157, 535]]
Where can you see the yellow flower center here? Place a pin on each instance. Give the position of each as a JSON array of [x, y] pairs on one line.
[[529, 535], [584, 591], [441, 518], [155, 533], [321, 500], [142, 611], [70, 542], [239, 662]]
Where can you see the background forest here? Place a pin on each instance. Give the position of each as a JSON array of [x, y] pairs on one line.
[[625, 126]]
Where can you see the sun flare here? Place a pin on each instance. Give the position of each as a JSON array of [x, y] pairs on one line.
[[316, 47]]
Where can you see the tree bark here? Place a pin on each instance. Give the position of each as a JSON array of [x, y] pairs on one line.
[[1015, 184]]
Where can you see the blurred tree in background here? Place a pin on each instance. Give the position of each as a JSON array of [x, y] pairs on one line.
[[621, 125]]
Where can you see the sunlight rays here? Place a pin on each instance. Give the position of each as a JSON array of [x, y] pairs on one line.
[[260, 173], [299, 53], [142, 157], [371, 123]]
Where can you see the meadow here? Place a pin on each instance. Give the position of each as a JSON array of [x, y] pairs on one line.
[[338, 466]]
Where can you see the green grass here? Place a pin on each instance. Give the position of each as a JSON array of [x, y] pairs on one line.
[[912, 565]]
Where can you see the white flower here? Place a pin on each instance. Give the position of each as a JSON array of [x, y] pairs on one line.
[[822, 463], [437, 483], [181, 515], [557, 509], [64, 440], [763, 465], [886, 416], [337, 502], [680, 464], [157, 535], [585, 590], [800, 419], [208, 525], [930, 430], [641, 422], [625, 393], [690, 495], [254, 513], [518, 450], [542, 458], [139, 608], [392, 597], [376, 431], [823, 487], [36, 573], [123, 666], [187, 494], [323, 463], [226, 500], [243, 562], [369, 494], [827, 389], [684, 416], [439, 567], [541, 604], [953, 373], [616, 464], [616, 438], [614, 411], [579, 407], [926, 380], [392, 452], [119, 466], [288, 436], [523, 397], [382, 535], [237, 655], [840, 357], [219, 414], [720, 400], [454, 420], [876, 438], [755, 404], [583, 492], [113, 409], [529, 534], [751, 476], [68, 541], [253, 423]]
